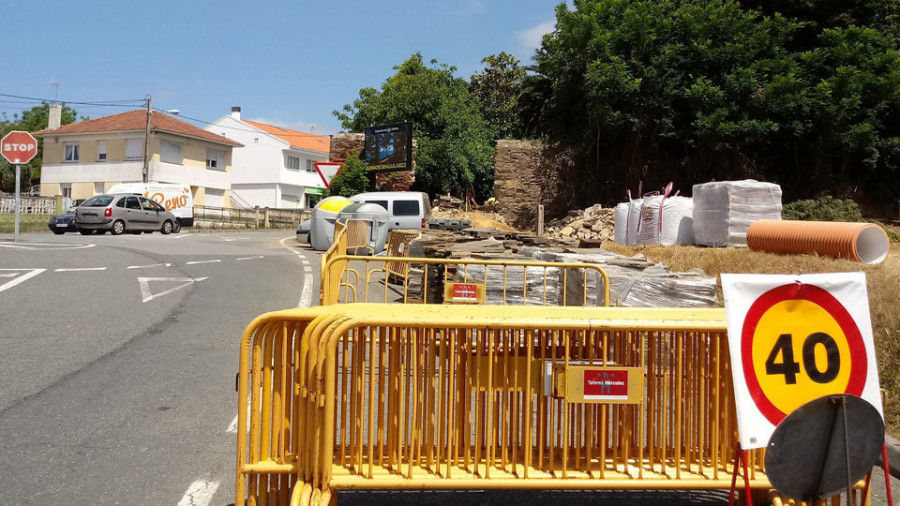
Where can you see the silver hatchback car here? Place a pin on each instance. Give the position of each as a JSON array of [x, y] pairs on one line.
[[122, 213]]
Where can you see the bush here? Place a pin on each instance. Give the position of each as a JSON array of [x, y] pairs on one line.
[[353, 179], [824, 208]]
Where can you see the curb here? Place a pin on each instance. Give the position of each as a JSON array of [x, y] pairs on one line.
[[893, 451]]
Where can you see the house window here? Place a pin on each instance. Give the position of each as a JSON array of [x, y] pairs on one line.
[[71, 154], [170, 152], [292, 162], [309, 166], [215, 159], [134, 149], [101, 151]]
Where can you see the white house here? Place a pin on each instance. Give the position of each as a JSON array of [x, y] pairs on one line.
[[275, 166]]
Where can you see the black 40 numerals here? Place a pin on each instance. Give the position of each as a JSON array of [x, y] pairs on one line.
[[789, 368]]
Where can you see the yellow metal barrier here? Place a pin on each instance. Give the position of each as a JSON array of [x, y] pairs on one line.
[[441, 397], [508, 282]]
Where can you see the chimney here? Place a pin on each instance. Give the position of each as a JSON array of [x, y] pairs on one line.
[[55, 118], [236, 112]]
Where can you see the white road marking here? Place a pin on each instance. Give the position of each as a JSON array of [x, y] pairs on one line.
[[250, 258], [232, 427], [229, 239], [28, 274], [148, 266], [9, 275], [45, 245], [80, 269], [306, 294], [196, 262], [200, 493], [148, 296]]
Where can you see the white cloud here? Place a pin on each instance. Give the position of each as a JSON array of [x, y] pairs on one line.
[[531, 37]]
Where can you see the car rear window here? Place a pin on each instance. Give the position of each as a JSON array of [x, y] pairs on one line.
[[406, 208], [98, 201]]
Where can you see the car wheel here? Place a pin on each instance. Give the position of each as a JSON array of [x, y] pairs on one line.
[[58, 232], [117, 228], [166, 227]]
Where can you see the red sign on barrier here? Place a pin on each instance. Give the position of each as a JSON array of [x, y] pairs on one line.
[[606, 384]]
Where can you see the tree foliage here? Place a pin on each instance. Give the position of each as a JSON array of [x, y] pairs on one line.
[[454, 142], [352, 179], [498, 89], [696, 90], [31, 120]]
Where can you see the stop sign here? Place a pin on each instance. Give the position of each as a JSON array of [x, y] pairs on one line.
[[18, 147]]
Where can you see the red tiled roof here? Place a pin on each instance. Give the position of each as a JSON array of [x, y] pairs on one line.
[[137, 120], [296, 139]]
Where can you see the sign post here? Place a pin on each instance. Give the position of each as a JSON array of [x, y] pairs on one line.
[[18, 147]]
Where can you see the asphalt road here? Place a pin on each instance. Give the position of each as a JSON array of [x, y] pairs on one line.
[[119, 361], [119, 356]]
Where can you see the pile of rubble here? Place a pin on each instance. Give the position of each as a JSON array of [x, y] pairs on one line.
[[592, 224]]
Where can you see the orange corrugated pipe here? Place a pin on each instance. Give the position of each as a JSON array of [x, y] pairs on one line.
[[863, 242]]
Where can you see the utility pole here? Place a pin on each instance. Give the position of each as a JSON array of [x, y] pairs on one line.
[[145, 170]]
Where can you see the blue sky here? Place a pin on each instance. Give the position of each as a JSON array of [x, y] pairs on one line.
[[288, 63]]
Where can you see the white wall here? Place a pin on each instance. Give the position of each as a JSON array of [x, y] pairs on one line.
[[260, 160], [186, 174], [91, 172], [262, 195]]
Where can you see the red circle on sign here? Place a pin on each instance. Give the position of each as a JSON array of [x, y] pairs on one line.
[[797, 291], [18, 147]]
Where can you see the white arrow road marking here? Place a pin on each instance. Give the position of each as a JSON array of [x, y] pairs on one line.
[[81, 269], [148, 296], [250, 258], [19, 277], [148, 266], [200, 493], [195, 262]]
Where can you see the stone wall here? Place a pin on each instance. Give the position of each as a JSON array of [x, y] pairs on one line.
[[343, 144], [528, 173]]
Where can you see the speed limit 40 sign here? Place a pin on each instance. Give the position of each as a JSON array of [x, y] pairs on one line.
[[794, 339]]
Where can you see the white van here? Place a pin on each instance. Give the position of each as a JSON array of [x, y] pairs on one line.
[[407, 209], [176, 198]]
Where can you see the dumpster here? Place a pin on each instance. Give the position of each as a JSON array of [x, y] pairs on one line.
[[378, 218], [321, 230]]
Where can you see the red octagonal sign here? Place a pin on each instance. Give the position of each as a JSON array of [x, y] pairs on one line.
[[18, 147]]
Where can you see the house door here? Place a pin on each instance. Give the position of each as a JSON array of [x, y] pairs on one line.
[[66, 190]]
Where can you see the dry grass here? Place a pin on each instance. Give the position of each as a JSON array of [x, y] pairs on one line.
[[883, 282]]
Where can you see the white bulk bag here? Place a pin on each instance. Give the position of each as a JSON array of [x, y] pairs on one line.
[[724, 210], [621, 229], [633, 222], [667, 221]]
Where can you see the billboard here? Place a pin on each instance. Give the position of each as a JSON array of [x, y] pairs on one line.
[[389, 147]]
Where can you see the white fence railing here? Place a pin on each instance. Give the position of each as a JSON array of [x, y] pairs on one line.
[[30, 205]]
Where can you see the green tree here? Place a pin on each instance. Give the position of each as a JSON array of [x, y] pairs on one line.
[[498, 89], [454, 142], [31, 120], [353, 178], [695, 90]]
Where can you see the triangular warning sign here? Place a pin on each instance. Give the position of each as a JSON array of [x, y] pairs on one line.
[[147, 295], [328, 170]]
